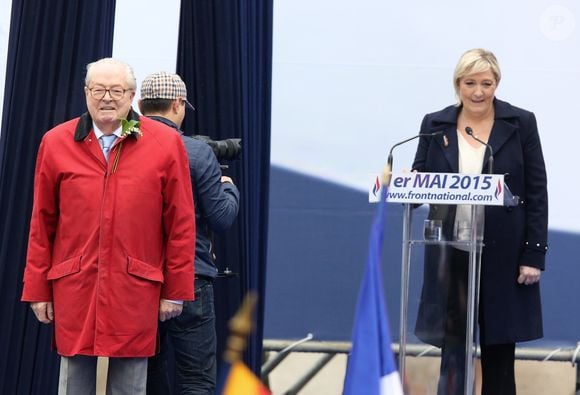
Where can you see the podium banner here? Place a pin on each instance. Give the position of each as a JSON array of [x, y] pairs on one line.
[[442, 188]]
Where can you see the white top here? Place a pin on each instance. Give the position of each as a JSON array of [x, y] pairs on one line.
[[470, 162]]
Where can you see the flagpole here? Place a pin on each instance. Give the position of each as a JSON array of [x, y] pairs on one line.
[[387, 173], [240, 328], [235, 377]]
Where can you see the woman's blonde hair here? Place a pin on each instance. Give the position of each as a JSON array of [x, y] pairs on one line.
[[475, 61]]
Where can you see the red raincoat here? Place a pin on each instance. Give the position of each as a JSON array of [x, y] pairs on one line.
[[106, 245]]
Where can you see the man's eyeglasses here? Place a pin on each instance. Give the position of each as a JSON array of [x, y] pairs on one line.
[[116, 93]]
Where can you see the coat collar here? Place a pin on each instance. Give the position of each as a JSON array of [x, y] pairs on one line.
[[85, 124], [165, 121], [505, 123], [503, 110]]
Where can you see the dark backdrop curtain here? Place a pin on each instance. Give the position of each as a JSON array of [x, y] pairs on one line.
[[49, 46], [225, 58]]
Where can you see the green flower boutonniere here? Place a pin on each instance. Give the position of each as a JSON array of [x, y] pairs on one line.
[[130, 127]]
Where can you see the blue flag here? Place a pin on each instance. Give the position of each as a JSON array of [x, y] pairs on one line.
[[371, 368]]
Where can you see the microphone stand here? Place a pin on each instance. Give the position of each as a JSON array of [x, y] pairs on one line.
[[390, 157], [469, 131]]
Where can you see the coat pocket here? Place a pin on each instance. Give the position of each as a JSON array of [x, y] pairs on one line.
[[143, 270], [70, 266]]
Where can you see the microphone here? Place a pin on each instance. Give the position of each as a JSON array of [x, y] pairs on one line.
[[390, 157], [469, 131]]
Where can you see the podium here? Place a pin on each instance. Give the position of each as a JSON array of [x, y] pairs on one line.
[[446, 312]]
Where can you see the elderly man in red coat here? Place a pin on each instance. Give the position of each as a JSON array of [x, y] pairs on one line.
[[112, 234]]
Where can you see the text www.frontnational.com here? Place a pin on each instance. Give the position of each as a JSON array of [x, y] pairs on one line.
[[467, 197]]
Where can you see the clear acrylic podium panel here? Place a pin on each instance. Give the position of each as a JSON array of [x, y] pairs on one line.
[[439, 293]]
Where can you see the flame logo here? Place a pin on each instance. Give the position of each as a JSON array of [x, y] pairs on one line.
[[498, 189], [377, 186]]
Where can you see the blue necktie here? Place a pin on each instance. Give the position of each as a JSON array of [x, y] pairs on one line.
[[107, 143]]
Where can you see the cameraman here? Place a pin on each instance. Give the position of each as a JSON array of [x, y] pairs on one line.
[[192, 334]]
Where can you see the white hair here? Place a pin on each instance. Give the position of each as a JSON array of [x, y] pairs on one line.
[[131, 80]]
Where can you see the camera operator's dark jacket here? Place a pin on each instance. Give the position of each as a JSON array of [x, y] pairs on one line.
[[216, 203]]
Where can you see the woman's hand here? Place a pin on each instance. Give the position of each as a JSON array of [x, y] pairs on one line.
[[528, 275]]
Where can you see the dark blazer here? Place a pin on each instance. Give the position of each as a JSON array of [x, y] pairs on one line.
[[513, 236]]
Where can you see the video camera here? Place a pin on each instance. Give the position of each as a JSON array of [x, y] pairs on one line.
[[228, 149]]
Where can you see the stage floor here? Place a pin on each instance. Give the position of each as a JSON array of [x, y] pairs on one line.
[[532, 377]]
